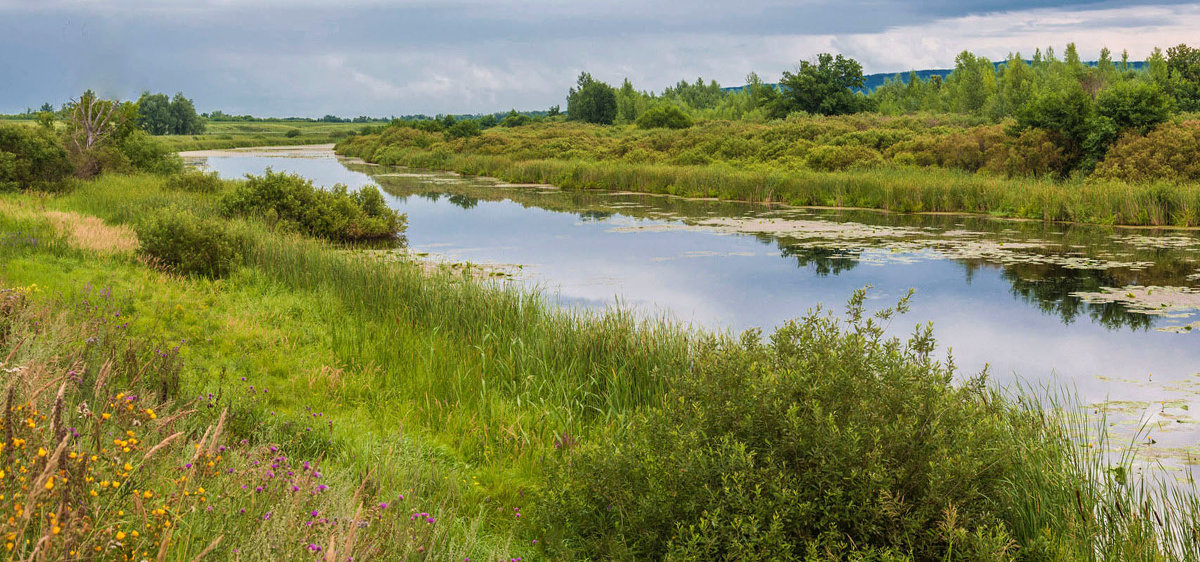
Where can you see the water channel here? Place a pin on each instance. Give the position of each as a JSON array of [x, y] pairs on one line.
[[1113, 313]]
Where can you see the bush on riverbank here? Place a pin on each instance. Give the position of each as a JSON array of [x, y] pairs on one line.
[[828, 440], [189, 244], [31, 158], [195, 181], [292, 203]]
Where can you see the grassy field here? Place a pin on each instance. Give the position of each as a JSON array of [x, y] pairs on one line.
[[228, 134], [906, 164], [440, 417]]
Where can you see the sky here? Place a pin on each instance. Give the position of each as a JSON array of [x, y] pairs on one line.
[[383, 58]]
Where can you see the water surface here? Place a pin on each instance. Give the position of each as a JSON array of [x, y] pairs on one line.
[[1109, 311]]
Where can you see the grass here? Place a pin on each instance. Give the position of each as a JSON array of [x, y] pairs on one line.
[[774, 163], [461, 396], [225, 134]]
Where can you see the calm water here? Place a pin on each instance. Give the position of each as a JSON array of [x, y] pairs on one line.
[[1024, 298]]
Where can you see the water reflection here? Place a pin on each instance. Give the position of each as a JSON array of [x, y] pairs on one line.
[[1002, 294]]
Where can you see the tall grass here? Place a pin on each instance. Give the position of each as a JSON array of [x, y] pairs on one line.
[[756, 163], [468, 395]]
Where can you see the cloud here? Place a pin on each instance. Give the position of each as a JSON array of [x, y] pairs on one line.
[[312, 57]]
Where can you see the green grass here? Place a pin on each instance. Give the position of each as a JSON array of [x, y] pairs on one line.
[[226, 134], [460, 395], [759, 163]]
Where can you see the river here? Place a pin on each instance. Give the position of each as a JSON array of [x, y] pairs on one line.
[[1112, 313]]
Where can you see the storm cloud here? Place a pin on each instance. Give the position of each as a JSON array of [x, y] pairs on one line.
[[312, 57]]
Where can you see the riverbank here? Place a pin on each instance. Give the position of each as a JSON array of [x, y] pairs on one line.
[[763, 163], [453, 418]]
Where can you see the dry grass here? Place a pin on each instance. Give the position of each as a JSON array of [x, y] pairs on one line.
[[81, 231], [92, 233]]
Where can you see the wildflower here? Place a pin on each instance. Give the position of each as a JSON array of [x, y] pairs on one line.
[[41, 452], [120, 535], [50, 483], [382, 505]]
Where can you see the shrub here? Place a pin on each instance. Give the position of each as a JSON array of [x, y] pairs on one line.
[[31, 157], [1170, 152], [830, 439], [189, 244], [148, 155], [664, 116], [292, 202], [292, 133], [195, 181], [828, 158]]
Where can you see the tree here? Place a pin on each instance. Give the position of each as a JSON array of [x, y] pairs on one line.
[[592, 101], [154, 113], [1183, 67], [823, 87], [184, 120], [514, 119], [1066, 114], [971, 83]]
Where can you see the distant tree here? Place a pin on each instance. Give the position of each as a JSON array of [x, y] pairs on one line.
[[823, 87], [488, 121], [184, 119], [664, 116], [1130, 105], [592, 101], [554, 111], [1183, 66], [971, 83], [463, 129], [46, 107], [154, 113], [514, 119]]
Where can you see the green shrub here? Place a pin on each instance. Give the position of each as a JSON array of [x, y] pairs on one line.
[[148, 155], [189, 244], [292, 133], [291, 202], [827, 158], [31, 157], [830, 440], [195, 181], [1170, 152], [664, 116]]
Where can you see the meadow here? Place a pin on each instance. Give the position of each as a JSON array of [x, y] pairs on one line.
[[153, 414]]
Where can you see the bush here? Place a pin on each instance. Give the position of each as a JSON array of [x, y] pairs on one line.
[[31, 157], [195, 181], [831, 440], [1171, 152], [189, 244], [291, 202], [826, 158], [148, 155], [292, 133], [664, 116]]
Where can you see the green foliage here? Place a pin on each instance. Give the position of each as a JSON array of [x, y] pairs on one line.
[[291, 202], [664, 116], [1183, 76], [760, 453], [195, 181], [292, 133], [1170, 152], [592, 101], [159, 115], [823, 87], [514, 119], [1064, 113], [464, 129], [189, 244], [31, 157]]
